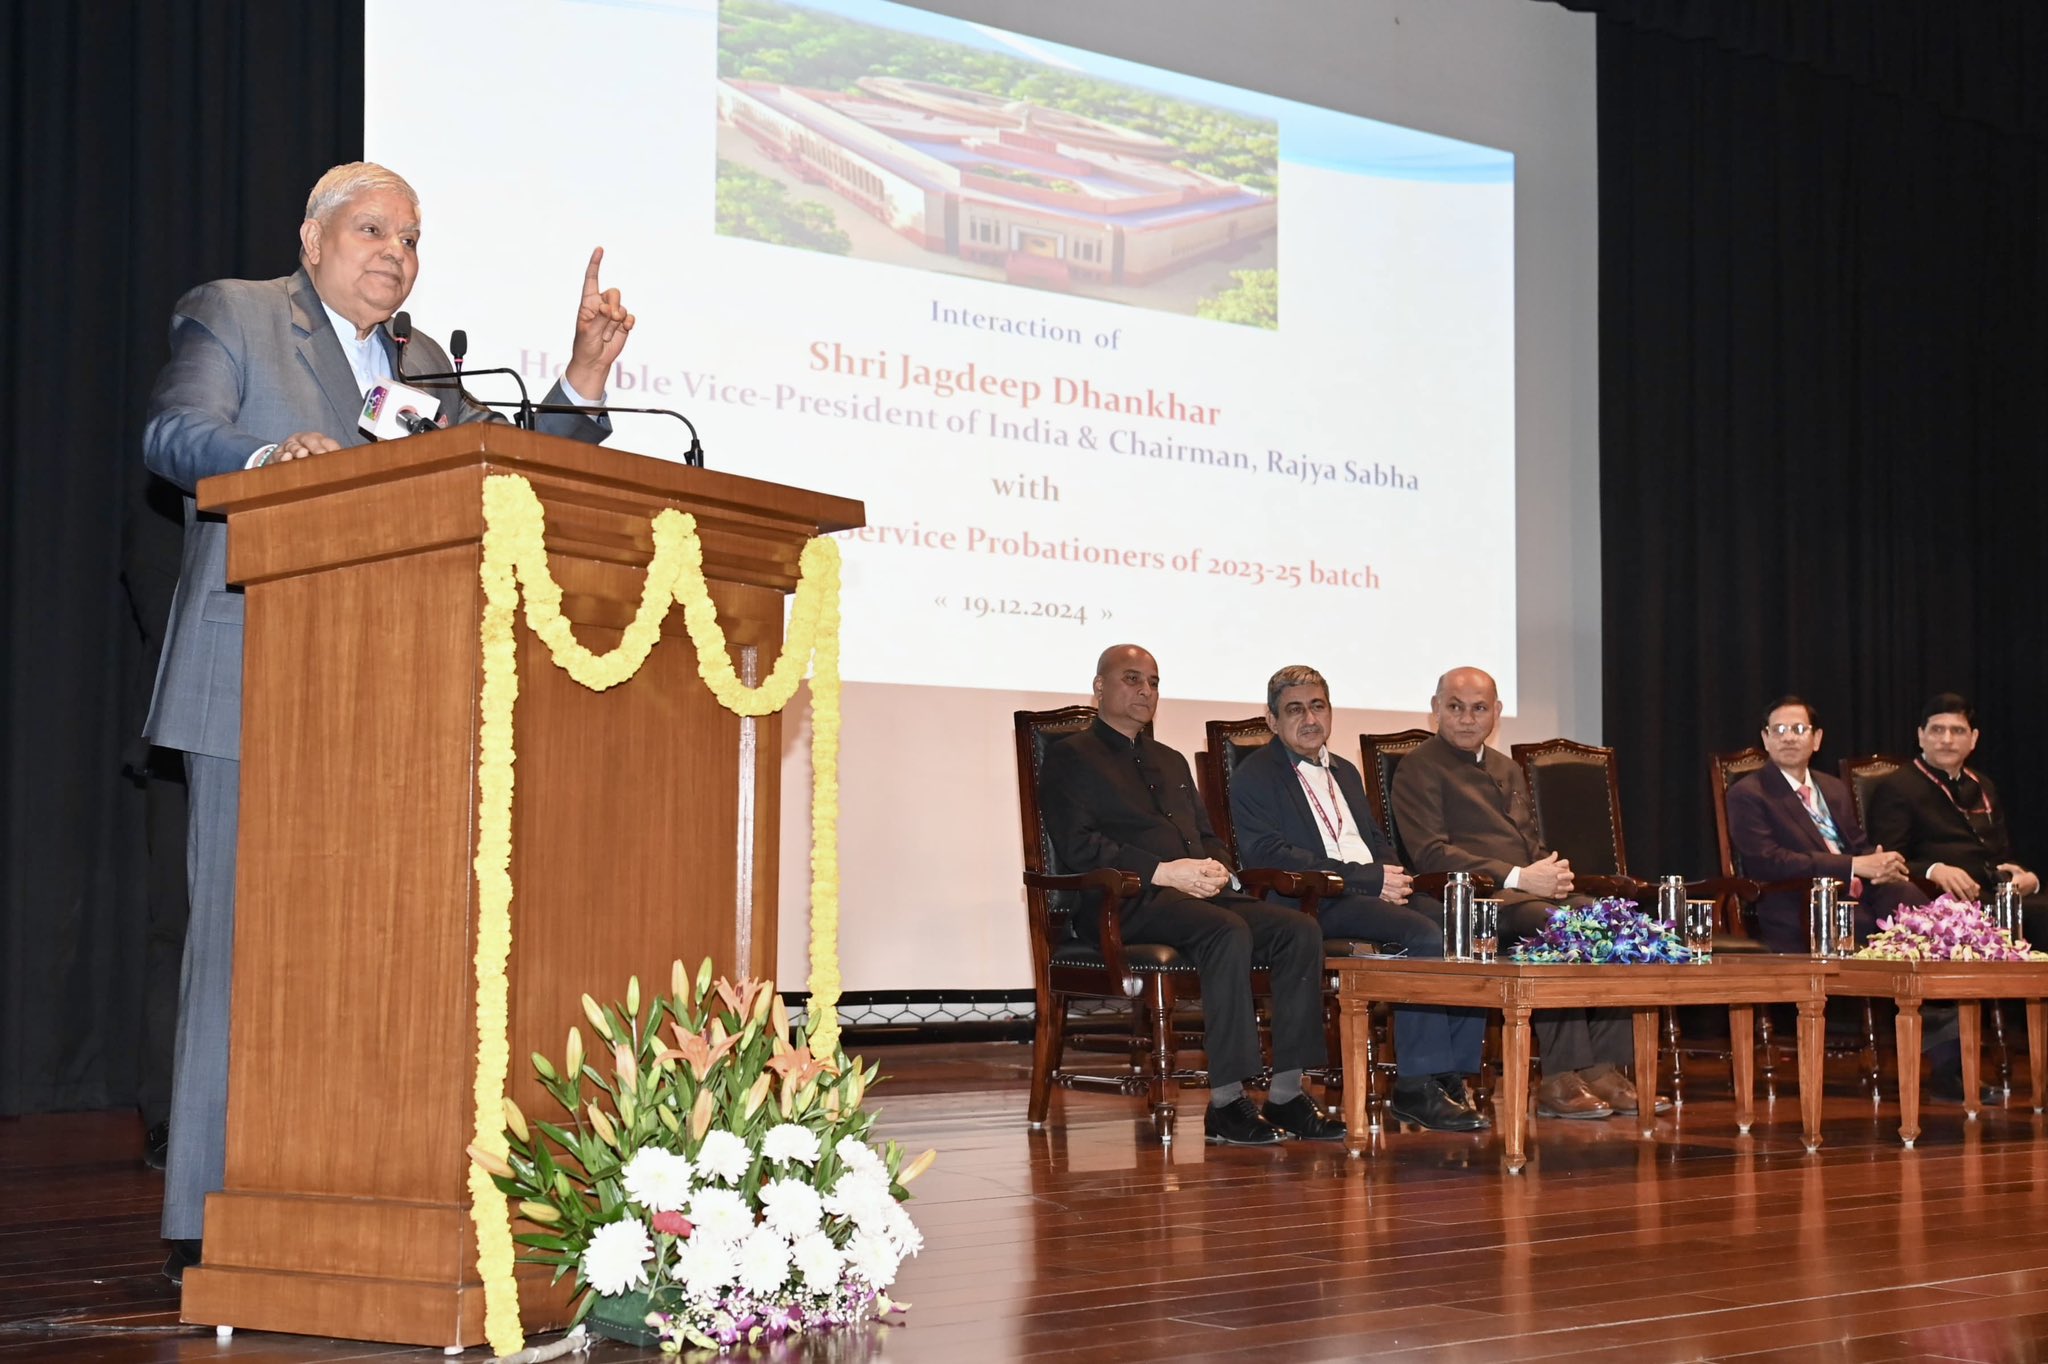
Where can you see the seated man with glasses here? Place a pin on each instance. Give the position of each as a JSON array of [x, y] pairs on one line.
[[1299, 806], [1789, 822]]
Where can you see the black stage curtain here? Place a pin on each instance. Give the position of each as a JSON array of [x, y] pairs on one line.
[[145, 148], [1823, 289]]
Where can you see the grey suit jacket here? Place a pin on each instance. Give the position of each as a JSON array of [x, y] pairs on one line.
[[252, 361], [1454, 814]]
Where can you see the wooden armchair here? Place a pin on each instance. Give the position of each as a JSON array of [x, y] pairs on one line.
[[1576, 792], [1066, 969], [1862, 773]]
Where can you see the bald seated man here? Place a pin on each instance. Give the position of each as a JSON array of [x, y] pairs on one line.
[[1462, 806], [1113, 796]]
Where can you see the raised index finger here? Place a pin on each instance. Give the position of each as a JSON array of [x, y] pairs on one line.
[[590, 271]]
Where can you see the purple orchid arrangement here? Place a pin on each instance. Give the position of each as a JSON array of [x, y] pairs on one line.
[[1612, 931], [1946, 930]]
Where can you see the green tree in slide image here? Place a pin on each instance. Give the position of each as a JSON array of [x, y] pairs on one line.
[[762, 40], [753, 206], [1254, 301]]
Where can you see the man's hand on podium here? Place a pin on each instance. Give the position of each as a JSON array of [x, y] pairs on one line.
[[303, 444]]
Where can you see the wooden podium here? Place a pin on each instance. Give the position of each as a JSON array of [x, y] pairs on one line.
[[644, 829]]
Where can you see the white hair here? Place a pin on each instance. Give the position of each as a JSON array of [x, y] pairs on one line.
[[344, 182]]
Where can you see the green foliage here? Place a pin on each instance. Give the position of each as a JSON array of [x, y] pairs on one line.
[[753, 206], [766, 41], [1254, 301]]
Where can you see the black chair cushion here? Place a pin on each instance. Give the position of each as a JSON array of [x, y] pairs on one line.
[[1138, 956]]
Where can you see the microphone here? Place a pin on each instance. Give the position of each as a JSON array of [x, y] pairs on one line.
[[458, 346], [524, 416], [401, 333], [393, 410], [694, 456]]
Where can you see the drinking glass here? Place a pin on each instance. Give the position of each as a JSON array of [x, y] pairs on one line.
[[1485, 929], [1699, 929]]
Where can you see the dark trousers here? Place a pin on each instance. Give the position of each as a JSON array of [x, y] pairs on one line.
[[164, 950], [1569, 1039], [1225, 937], [1427, 1041], [199, 1075]]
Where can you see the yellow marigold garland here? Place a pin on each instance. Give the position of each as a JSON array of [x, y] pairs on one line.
[[515, 558]]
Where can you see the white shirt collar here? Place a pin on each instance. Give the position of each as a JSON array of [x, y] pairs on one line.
[[345, 330], [1797, 782]]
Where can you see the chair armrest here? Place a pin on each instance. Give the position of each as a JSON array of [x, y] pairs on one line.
[[1724, 888], [1118, 888], [1734, 900], [1432, 883], [1311, 888], [1626, 887]]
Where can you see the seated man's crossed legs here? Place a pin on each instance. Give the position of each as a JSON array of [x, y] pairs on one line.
[[1225, 937], [1434, 1048]]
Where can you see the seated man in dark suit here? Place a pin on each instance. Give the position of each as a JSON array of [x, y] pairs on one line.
[[1947, 818], [1299, 807], [1788, 822], [1462, 806], [1113, 796], [1948, 822]]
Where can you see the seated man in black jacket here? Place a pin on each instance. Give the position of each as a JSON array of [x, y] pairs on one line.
[[1113, 796], [1947, 818], [1950, 823], [1299, 807]]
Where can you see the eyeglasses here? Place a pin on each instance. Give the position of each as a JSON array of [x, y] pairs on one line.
[[1802, 730], [1948, 731]]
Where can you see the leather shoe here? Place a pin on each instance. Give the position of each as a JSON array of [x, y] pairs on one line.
[[1238, 1123], [1302, 1119], [156, 1146], [1453, 1087], [1425, 1103], [1617, 1091], [1567, 1096], [184, 1254]]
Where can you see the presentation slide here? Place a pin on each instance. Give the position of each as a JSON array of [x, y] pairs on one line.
[[1108, 351]]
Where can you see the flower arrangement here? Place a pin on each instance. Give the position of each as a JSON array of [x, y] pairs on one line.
[[1610, 931], [1946, 930], [713, 1179]]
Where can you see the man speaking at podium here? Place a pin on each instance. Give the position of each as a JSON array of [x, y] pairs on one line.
[[265, 370]]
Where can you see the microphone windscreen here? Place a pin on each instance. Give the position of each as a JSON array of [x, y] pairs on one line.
[[401, 327], [458, 344]]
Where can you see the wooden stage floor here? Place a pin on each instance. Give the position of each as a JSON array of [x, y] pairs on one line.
[[1089, 1242]]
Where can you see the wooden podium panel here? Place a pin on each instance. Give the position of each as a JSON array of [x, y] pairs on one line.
[[644, 829]]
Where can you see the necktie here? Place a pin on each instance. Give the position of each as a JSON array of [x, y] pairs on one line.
[[1825, 822]]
